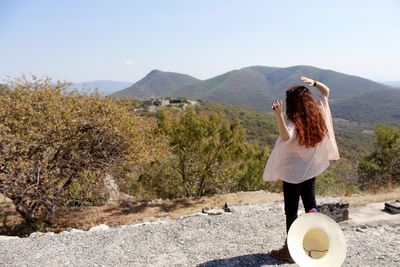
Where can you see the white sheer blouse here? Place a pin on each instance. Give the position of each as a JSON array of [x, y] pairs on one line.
[[293, 163]]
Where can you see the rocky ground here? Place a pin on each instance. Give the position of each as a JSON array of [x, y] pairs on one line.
[[242, 237]]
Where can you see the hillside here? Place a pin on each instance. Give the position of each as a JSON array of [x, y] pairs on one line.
[[372, 107], [256, 87], [155, 84], [354, 139], [394, 84]]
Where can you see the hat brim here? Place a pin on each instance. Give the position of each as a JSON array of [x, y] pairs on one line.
[[337, 241]]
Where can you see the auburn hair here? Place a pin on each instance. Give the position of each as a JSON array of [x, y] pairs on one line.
[[306, 114]]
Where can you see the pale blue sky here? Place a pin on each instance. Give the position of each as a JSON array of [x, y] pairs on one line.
[[82, 40]]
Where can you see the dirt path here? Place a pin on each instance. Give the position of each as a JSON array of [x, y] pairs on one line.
[[129, 212]]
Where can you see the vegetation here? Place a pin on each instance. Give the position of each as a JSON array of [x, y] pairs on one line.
[[354, 140], [56, 147], [381, 168], [380, 106], [352, 98], [260, 127], [207, 154]]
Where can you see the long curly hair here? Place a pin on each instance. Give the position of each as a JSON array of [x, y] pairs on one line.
[[306, 114]]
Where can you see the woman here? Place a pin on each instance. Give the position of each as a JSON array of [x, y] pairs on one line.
[[302, 151]]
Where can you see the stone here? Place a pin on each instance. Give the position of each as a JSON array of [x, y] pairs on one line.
[[213, 211], [101, 227], [337, 209], [230, 207], [64, 233], [359, 229], [36, 234], [227, 207], [6, 237], [112, 189], [76, 231], [392, 206], [193, 215]]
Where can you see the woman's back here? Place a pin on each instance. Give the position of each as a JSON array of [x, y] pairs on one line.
[[293, 162]]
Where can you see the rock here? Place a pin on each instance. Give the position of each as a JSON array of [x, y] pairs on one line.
[[334, 208], [393, 206], [213, 211], [76, 231], [112, 189], [359, 229], [4, 199], [156, 201], [127, 198], [6, 237], [101, 227], [36, 234], [227, 207], [64, 233], [192, 215], [230, 207]]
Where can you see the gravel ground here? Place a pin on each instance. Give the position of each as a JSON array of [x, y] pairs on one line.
[[242, 237]]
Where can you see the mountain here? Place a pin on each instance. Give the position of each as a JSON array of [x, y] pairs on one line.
[[157, 83], [381, 106], [104, 87], [245, 87], [352, 98], [257, 86], [395, 84]]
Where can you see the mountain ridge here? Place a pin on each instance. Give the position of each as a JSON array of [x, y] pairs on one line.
[[258, 86], [155, 84]]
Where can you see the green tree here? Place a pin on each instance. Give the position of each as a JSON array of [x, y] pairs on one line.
[[206, 147], [382, 167], [253, 166]]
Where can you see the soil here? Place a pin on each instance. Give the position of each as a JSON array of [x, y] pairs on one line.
[[128, 212]]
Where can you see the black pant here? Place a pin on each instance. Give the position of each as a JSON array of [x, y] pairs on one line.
[[292, 193]]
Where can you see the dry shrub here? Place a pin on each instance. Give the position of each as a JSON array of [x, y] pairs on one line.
[[56, 146]]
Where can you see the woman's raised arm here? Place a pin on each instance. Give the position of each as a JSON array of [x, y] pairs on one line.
[[320, 86], [282, 128]]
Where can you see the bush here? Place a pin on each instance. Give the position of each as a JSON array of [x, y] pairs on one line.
[[56, 146], [326, 183], [207, 154], [381, 169]]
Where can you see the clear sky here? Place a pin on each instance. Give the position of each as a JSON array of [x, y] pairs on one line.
[[83, 40]]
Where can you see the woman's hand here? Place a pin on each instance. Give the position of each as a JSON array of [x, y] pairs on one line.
[[307, 80], [277, 107], [319, 85], [277, 110]]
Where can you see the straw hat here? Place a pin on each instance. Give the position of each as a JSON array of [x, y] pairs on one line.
[[316, 240]]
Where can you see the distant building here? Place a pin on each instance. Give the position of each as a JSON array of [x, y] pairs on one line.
[[175, 101], [164, 102], [152, 108]]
